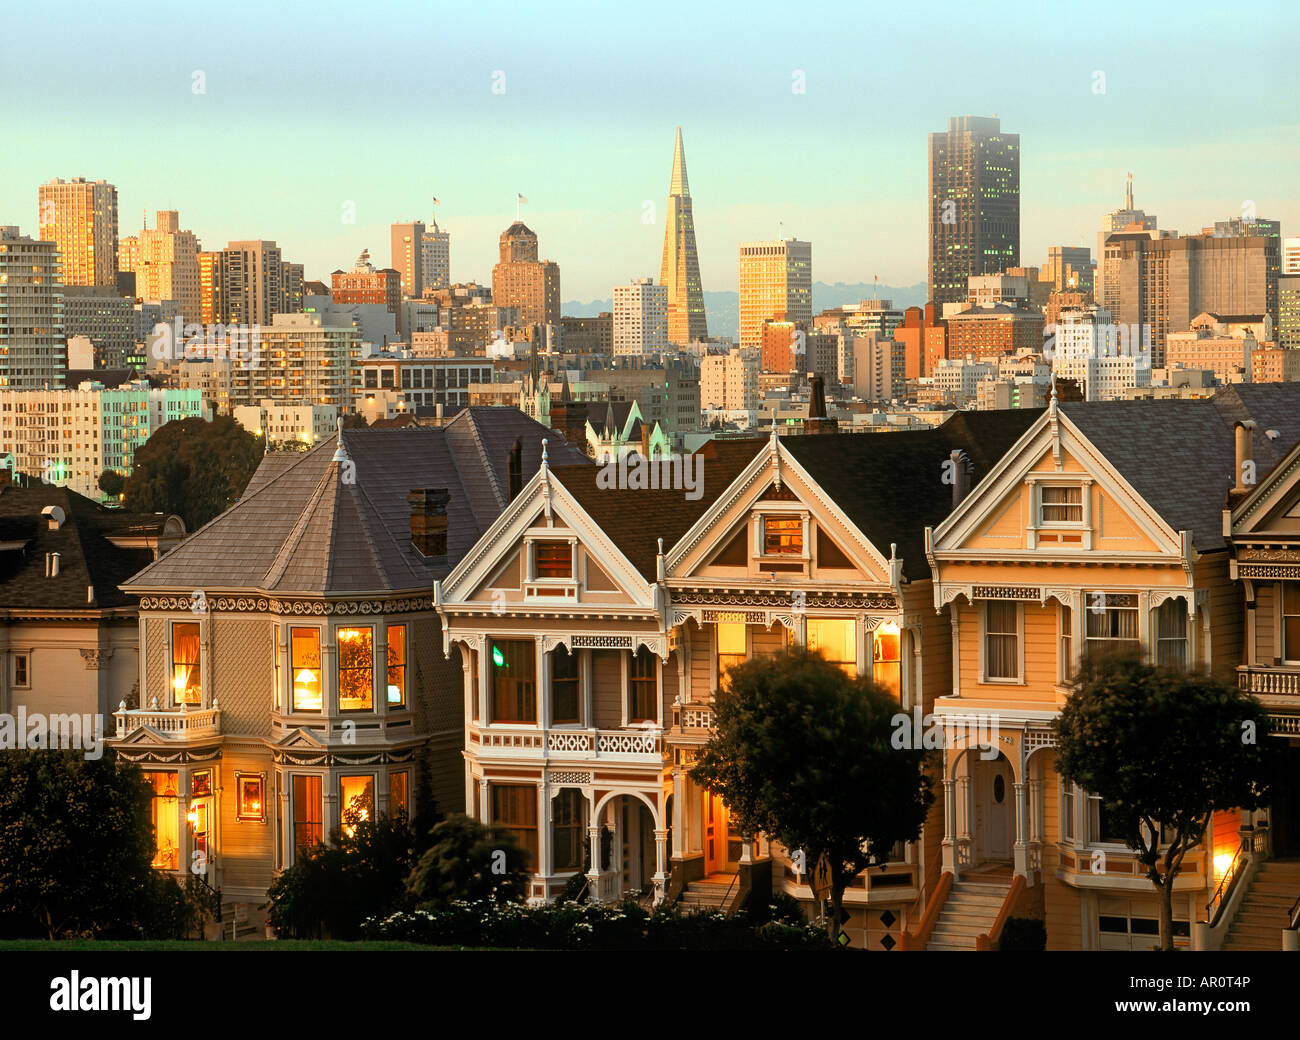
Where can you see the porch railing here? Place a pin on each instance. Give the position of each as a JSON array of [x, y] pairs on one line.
[[1227, 883], [1254, 679], [174, 723], [569, 741]]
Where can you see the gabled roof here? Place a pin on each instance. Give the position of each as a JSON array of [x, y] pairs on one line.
[[86, 555], [300, 529], [890, 485]]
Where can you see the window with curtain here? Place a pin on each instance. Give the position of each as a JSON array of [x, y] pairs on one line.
[[731, 649], [1171, 634], [642, 684], [1065, 644], [1061, 505], [1001, 639], [836, 639], [567, 830], [886, 658], [185, 663], [514, 680], [1289, 597], [564, 686], [307, 810], [514, 809], [396, 666], [356, 669], [553, 559], [165, 812], [1111, 623], [304, 659]]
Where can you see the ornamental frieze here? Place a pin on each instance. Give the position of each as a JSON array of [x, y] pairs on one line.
[[161, 756], [1265, 570], [286, 607], [1018, 592], [1270, 555], [812, 600]]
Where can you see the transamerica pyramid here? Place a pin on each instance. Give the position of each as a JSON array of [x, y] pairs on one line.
[[680, 270]]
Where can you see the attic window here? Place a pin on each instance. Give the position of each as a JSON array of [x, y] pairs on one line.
[[552, 560], [782, 536], [1061, 504]]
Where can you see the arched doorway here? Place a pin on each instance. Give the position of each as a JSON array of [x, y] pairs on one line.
[[992, 782]]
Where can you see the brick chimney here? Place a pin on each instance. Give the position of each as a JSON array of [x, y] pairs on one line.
[[429, 520]]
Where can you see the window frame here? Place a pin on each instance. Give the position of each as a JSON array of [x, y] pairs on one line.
[[1175, 604], [343, 798], [576, 826], [811, 622], [536, 544], [295, 801], [1108, 606], [783, 516], [197, 665], [493, 718], [1043, 505], [637, 683], [241, 778], [294, 669], [1065, 668], [1019, 678], [403, 667], [405, 807], [339, 669], [1282, 615], [25, 657], [531, 849], [575, 679], [719, 672]]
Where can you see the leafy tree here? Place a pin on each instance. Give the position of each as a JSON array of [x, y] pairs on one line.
[[354, 421], [802, 752], [76, 843], [468, 861], [1163, 748], [111, 482], [331, 889], [194, 468]]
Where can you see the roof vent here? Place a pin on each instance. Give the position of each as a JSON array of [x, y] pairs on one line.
[[51, 565], [55, 515]]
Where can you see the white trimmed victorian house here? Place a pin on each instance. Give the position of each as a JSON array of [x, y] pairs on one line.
[[291, 664], [1101, 529]]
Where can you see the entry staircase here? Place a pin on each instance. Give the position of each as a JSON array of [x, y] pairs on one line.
[[715, 892], [970, 910], [1265, 908]]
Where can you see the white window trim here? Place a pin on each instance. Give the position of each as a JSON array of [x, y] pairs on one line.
[[337, 692], [1036, 522], [289, 673], [783, 511], [1020, 645], [532, 582], [13, 670], [173, 701]]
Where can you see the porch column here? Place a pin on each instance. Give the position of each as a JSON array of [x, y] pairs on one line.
[[679, 838], [544, 831], [593, 874], [661, 865], [949, 825], [1020, 851], [954, 612], [484, 807]]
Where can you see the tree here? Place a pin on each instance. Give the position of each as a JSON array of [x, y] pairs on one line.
[[468, 861], [802, 752], [194, 468], [76, 843], [111, 482], [1164, 750]]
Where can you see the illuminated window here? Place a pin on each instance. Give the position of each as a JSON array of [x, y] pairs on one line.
[[305, 794], [1062, 505], [514, 809], [564, 685], [305, 666], [399, 793], [552, 559], [356, 669], [356, 801], [185, 663], [1001, 640], [886, 660], [250, 795], [166, 819], [566, 830], [836, 640], [201, 783], [642, 684], [731, 649], [782, 536], [514, 681], [397, 666]]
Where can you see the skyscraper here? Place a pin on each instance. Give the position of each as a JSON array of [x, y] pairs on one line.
[[247, 283], [32, 351], [1125, 219], [167, 267], [974, 204], [81, 219], [775, 281], [408, 256], [680, 270], [640, 324], [435, 258], [522, 281]]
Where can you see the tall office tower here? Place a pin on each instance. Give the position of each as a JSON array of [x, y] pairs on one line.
[[168, 265], [640, 318], [435, 258], [1287, 330], [212, 287], [1166, 282], [1126, 219], [253, 283], [128, 253], [1069, 268], [522, 281], [291, 288], [680, 270], [974, 204], [1291, 256], [32, 351], [406, 241], [81, 219], [775, 279]]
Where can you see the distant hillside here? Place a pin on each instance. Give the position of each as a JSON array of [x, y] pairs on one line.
[[723, 308]]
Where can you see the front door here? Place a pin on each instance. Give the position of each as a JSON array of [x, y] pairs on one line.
[[995, 795], [715, 834]]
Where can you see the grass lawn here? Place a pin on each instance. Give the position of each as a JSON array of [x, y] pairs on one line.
[[282, 945]]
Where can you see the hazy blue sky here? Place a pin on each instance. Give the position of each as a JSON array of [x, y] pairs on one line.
[[385, 105]]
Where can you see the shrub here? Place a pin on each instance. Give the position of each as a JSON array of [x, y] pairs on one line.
[[1023, 933]]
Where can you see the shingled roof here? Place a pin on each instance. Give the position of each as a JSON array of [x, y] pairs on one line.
[[87, 556], [300, 529]]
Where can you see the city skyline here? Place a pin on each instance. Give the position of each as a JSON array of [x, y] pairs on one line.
[[855, 184]]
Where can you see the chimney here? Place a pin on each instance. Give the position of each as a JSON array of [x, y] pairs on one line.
[[645, 441], [817, 422], [961, 469], [1245, 479], [429, 520]]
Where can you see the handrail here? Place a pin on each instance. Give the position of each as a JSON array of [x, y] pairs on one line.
[[1293, 915], [917, 940], [735, 878], [1214, 908], [987, 940]]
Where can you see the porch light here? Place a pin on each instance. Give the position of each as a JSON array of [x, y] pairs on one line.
[[1221, 863], [304, 677], [193, 815]]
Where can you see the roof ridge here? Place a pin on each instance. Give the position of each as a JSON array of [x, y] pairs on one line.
[[502, 502], [284, 556], [374, 519]]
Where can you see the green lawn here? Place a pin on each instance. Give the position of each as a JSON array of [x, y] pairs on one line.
[[195, 945]]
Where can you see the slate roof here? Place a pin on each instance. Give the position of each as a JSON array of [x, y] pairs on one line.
[[1180, 455], [299, 529], [86, 555]]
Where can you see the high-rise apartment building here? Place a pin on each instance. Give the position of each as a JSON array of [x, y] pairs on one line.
[[523, 282], [33, 355], [775, 279], [974, 204], [730, 381], [1287, 330], [167, 265], [435, 259], [640, 318], [407, 244], [679, 271], [80, 218], [247, 283], [103, 316]]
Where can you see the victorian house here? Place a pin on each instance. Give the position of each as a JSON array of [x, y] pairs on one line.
[[1101, 529], [291, 674]]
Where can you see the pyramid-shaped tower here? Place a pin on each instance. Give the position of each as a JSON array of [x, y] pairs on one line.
[[680, 270]]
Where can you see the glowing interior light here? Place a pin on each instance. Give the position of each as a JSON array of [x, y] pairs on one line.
[[498, 658]]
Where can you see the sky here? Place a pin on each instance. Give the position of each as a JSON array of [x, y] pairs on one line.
[[309, 113]]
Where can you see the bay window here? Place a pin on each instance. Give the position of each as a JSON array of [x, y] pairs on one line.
[[396, 666], [514, 680], [165, 816], [356, 669], [356, 801], [307, 810], [304, 658], [185, 663], [514, 810]]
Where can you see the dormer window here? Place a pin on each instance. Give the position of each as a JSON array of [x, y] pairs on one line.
[[553, 560], [782, 536], [1061, 504], [552, 567]]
